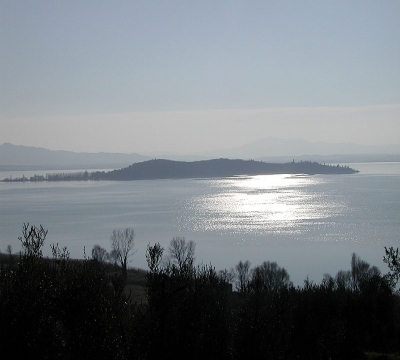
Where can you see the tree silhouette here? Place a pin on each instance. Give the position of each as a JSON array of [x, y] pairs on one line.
[[122, 243], [100, 254], [242, 272], [269, 277], [181, 253], [392, 259]]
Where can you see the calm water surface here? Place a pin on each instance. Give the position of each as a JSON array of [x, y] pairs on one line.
[[308, 224]]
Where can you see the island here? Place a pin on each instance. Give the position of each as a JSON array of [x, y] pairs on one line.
[[169, 169]]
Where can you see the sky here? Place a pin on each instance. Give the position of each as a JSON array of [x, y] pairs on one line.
[[192, 76]]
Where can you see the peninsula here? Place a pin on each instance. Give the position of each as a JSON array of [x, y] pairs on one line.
[[169, 169]]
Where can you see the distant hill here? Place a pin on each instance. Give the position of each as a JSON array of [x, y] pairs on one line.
[[335, 158], [18, 156], [273, 149], [168, 169]]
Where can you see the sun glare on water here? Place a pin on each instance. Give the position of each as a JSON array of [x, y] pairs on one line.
[[269, 198], [260, 204]]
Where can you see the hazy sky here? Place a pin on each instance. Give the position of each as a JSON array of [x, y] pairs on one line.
[[187, 76]]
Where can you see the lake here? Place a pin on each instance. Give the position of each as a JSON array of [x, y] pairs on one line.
[[308, 224]]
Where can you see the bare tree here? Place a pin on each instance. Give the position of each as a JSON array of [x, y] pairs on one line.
[[361, 271], [242, 274], [227, 275], [10, 255], [113, 257], [122, 243], [343, 280], [100, 254], [392, 259], [181, 253], [154, 256], [32, 240], [270, 277]]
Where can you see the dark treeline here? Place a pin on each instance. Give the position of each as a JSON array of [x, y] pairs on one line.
[[168, 169], [71, 176], [66, 309]]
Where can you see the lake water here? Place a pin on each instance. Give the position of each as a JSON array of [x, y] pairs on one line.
[[308, 224]]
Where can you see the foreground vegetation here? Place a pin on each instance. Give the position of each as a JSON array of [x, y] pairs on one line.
[[61, 308]]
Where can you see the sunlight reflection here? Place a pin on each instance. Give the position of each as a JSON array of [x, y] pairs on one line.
[[267, 198], [261, 204]]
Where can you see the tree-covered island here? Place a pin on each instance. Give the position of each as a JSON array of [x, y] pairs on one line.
[[169, 169]]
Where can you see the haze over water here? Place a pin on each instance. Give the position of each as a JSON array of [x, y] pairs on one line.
[[308, 224]]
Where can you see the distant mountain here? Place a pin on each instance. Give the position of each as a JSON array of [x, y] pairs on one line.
[[36, 158], [334, 159], [297, 148], [19, 157]]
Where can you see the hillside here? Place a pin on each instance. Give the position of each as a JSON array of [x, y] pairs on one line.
[[168, 169], [272, 150], [29, 157]]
